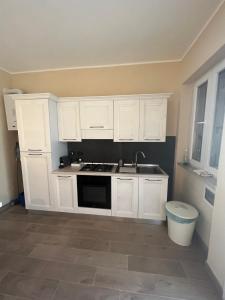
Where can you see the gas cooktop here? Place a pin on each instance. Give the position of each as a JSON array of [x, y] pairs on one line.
[[97, 168]]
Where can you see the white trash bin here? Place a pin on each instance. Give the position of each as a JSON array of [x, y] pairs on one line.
[[181, 222]]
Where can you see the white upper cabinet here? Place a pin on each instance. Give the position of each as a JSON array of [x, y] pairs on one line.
[[126, 120], [96, 114], [36, 168], [33, 125], [152, 198], [125, 196], [96, 119], [153, 113], [69, 121]]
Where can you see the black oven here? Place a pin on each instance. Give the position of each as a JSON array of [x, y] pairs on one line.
[[94, 191]]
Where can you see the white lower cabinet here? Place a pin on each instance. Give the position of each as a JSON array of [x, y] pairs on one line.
[[152, 198], [65, 192], [36, 167], [125, 196]]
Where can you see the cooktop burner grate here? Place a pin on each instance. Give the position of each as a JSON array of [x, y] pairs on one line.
[[97, 168]]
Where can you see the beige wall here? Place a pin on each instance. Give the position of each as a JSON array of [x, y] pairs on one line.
[[148, 78], [216, 258], [8, 187]]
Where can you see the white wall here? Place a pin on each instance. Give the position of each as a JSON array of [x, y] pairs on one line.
[[211, 225], [189, 187], [8, 187], [216, 257]]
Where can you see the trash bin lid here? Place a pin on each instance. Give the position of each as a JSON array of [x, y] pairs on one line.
[[182, 210]]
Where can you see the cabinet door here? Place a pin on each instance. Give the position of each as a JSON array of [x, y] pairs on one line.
[[126, 120], [66, 192], [153, 120], [96, 114], [35, 169], [152, 198], [33, 125], [125, 196], [69, 121]]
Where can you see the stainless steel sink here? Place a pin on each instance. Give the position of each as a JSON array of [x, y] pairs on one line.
[[152, 170], [141, 169]]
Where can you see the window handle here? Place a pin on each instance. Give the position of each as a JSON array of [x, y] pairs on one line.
[[203, 122]]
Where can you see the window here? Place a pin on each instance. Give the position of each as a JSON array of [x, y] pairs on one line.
[[199, 121], [218, 121], [208, 120]]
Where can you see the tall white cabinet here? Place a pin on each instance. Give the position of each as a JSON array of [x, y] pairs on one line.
[[39, 145], [36, 168], [33, 125]]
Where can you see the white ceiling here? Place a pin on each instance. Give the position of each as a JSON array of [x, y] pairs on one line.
[[48, 34]]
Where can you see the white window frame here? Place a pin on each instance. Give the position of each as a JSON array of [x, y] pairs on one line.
[[215, 75], [195, 163], [212, 78]]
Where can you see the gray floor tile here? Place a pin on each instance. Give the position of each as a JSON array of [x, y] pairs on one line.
[[27, 286], [21, 264], [11, 235], [48, 239], [101, 259], [131, 296], [155, 265], [183, 288], [70, 247], [9, 297], [73, 273], [3, 273], [50, 252], [67, 291], [17, 247], [13, 225], [91, 244], [195, 270], [125, 280], [155, 251]]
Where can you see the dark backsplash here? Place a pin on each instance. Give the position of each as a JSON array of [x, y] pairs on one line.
[[105, 151]]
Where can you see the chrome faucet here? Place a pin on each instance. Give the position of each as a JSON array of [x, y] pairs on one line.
[[136, 156]]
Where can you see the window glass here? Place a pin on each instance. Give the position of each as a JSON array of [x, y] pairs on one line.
[[218, 121], [199, 121]]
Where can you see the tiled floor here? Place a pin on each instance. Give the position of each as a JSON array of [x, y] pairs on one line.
[[67, 257]]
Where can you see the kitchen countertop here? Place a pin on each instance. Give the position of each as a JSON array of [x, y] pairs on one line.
[[72, 170]]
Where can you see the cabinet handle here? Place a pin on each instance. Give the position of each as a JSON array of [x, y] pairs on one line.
[[124, 178], [35, 150], [35, 154], [63, 176], [126, 139], [96, 126], [157, 180], [146, 139], [69, 139]]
